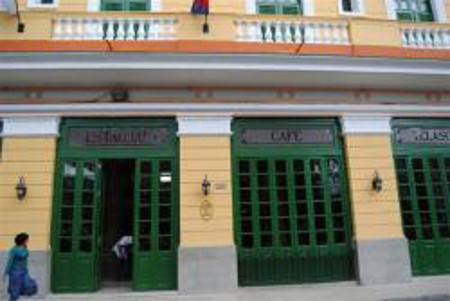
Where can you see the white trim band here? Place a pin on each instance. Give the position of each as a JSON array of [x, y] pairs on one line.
[[366, 125], [33, 126], [204, 125]]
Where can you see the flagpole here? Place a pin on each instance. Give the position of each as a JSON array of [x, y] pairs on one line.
[[205, 24]]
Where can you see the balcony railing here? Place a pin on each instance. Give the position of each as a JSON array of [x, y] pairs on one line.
[[310, 32], [115, 28], [434, 38]]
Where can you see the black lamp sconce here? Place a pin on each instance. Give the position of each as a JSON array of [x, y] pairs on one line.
[[206, 186], [377, 182], [21, 189], [20, 24]]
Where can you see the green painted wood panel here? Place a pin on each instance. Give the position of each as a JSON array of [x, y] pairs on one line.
[[76, 223], [423, 178], [291, 210], [156, 225], [76, 237]]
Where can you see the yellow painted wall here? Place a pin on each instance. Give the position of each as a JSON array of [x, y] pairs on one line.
[[33, 158], [200, 156], [375, 33], [375, 215]]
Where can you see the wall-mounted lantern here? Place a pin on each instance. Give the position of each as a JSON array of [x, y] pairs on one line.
[[377, 182], [206, 186], [21, 189]]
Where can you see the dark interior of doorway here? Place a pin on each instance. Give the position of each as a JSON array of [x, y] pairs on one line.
[[116, 264]]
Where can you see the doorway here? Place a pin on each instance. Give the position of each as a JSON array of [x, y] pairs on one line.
[[117, 223], [115, 178]]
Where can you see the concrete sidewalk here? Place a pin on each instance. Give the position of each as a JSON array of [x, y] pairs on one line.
[[421, 288]]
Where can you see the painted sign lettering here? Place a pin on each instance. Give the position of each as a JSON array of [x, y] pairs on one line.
[[422, 136], [96, 137], [286, 136]]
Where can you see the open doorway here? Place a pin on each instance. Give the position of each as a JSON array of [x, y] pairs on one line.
[[116, 259]]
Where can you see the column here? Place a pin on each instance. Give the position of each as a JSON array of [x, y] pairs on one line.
[[29, 151], [207, 260], [381, 248]]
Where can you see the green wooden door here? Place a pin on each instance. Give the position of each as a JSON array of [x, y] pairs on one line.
[[292, 216], [75, 245], [76, 238], [422, 160], [155, 225]]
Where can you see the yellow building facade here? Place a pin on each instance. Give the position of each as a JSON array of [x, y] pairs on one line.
[[292, 142]]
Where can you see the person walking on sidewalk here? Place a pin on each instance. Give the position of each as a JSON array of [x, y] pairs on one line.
[[20, 282]]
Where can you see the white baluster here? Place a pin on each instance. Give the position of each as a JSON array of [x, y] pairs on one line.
[[336, 38], [251, 31], [120, 29], [278, 32], [326, 33], [258, 31], [437, 38], [130, 34], [288, 32], [78, 29], [151, 30], [110, 31], [446, 38], [405, 33], [58, 29], [68, 29], [309, 33], [141, 29], [319, 34], [157, 29], [412, 38], [420, 38], [89, 32], [268, 36], [99, 33], [314, 33], [428, 37], [245, 31], [343, 28], [298, 37]]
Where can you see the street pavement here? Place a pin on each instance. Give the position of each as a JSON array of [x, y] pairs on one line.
[[420, 289]]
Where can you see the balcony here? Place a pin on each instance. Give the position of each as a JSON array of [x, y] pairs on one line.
[[291, 31], [141, 28], [229, 33], [426, 36]]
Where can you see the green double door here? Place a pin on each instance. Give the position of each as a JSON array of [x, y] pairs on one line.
[[77, 215], [292, 215], [422, 160]]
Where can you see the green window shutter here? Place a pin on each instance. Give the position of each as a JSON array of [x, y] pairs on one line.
[[290, 10], [112, 5], [137, 5], [415, 10], [267, 9], [283, 7], [125, 5], [405, 16]]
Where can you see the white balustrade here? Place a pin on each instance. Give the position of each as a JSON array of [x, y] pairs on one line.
[[114, 29], [293, 32], [431, 38]]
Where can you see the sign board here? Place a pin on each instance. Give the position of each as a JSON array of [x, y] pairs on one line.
[[113, 137], [286, 136], [435, 136]]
